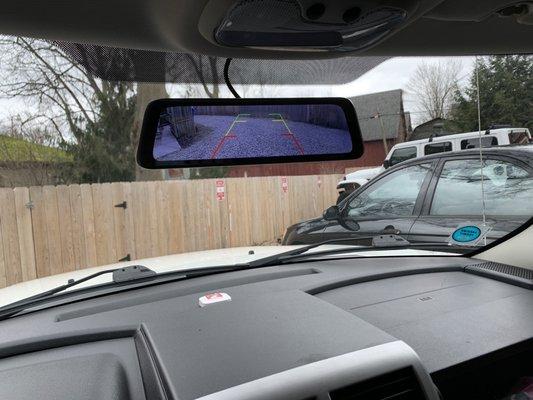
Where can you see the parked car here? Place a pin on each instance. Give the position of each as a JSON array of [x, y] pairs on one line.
[[419, 148], [425, 199]]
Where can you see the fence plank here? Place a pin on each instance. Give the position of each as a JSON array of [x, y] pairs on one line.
[[65, 228], [162, 218], [53, 235], [25, 233], [129, 221], [137, 209], [177, 209], [3, 265], [40, 241], [104, 223], [89, 232], [119, 220], [10, 240], [77, 228]]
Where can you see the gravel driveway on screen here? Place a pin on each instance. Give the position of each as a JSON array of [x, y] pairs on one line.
[[244, 136]]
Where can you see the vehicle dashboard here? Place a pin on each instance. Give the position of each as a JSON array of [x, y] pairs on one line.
[[308, 330]]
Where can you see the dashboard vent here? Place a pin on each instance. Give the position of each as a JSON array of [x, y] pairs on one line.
[[507, 273], [398, 385]]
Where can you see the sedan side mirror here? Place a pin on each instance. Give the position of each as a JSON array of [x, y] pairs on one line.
[[386, 164], [332, 213]]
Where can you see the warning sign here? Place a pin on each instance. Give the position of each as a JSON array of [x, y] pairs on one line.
[[220, 189], [284, 184]]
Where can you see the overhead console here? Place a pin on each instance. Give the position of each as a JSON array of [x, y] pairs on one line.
[[309, 25]]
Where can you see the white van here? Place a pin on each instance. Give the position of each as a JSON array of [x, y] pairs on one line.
[[423, 147]]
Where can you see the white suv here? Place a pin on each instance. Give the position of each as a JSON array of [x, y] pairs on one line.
[[423, 147]]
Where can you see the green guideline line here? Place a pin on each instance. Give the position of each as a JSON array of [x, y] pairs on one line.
[[240, 115], [232, 124], [282, 120]]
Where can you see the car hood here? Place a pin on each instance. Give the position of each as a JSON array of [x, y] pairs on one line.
[[175, 262], [367, 173]]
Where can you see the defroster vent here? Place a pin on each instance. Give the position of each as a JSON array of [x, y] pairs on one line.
[[398, 385], [506, 273]]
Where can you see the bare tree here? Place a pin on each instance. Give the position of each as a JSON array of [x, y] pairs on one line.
[[82, 111], [433, 85], [208, 73], [62, 92]]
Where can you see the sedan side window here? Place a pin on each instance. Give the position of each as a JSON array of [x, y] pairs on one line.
[[508, 189], [393, 195]]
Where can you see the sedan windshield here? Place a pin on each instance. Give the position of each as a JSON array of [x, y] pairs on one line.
[[447, 166]]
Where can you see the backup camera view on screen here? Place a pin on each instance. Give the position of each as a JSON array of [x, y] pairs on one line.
[[206, 132]]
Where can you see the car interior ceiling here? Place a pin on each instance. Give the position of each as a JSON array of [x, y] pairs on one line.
[[466, 318]]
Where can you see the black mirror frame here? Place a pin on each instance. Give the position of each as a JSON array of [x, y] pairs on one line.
[[146, 159], [332, 218]]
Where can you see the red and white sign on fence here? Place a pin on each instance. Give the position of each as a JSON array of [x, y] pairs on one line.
[[221, 189], [284, 184]]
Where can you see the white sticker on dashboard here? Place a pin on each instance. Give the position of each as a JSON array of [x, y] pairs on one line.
[[212, 298]]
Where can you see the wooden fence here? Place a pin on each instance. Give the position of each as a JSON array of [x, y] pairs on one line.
[[47, 230]]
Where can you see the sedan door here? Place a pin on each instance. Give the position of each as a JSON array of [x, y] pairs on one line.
[[464, 192], [389, 204]]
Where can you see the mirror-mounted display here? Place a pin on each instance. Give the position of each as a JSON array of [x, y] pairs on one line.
[[213, 132]]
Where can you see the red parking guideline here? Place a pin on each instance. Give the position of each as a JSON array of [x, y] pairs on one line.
[[297, 143], [227, 135]]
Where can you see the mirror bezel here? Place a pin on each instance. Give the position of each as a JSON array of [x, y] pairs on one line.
[[145, 157], [334, 210]]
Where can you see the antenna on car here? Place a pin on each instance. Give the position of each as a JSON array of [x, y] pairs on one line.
[[483, 209]]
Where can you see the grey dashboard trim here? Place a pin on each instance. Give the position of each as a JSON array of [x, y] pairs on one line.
[[52, 341], [335, 284], [316, 379]]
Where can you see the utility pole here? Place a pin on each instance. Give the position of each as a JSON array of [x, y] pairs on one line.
[[385, 144]]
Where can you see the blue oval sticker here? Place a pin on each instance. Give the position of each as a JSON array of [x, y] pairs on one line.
[[466, 234]]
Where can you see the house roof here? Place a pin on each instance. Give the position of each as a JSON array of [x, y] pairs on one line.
[[14, 149], [389, 106]]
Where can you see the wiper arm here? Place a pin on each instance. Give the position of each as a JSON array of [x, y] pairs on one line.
[[120, 276]]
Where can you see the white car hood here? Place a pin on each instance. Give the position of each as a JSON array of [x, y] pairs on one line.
[[176, 262], [361, 176]]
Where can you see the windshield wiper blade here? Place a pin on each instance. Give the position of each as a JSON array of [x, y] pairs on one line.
[[274, 259], [379, 242], [120, 276]]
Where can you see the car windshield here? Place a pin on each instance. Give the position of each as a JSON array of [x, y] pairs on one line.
[[73, 199]]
